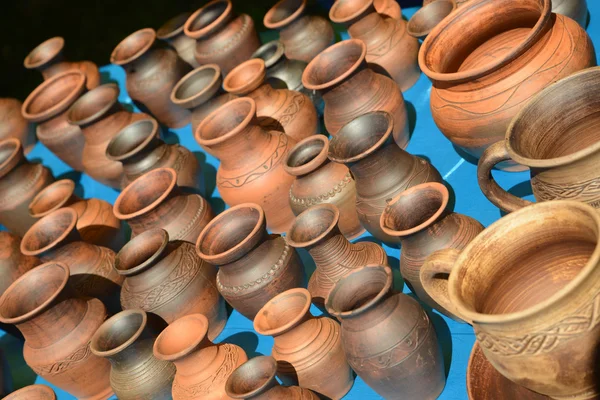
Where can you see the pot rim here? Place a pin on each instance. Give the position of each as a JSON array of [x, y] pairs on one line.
[[29, 64], [108, 324], [333, 11], [148, 33], [47, 191], [198, 33], [268, 18], [218, 114], [256, 81], [277, 54], [80, 102], [312, 164], [291, 323], [324, 233], [13, 158], [172, 27], [171, 330], [202, 96], [250, 365], [134, 244], [67, 231], [153, 134], [423, 12], [39, 389]]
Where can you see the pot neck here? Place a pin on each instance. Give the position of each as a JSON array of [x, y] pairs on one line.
[[330, 250], [305, 330], [16, 161], [146, 158], [104, 127], [136, 353], [346, 89], [422, 236], [146, 63], [240, 263], [372, 315], [56, 250]]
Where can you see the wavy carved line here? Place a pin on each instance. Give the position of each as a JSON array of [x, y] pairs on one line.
[[79, 355]]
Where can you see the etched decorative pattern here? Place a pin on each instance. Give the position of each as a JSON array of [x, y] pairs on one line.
[[292, 110], [192, 224], [88, 281], [224, 47], [581, 191], [387, 45], [180, 160], [311, 201], [79, 355], [148, 375]]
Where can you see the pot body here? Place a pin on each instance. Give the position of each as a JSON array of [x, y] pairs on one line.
[[574, 9], [97, 224], [306, 37], [64, 140], [12, 124], [58, 66], [389, 8], [13, 263]]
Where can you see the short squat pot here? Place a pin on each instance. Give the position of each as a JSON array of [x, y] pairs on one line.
[[14, 125], [172, 33]]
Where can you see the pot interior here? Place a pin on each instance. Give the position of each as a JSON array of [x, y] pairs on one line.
[[284, 10], [311, 224], [54, 91], [140, 249], [52, 197], [414, 207], [117, 331], [182, 334], [229, 231], [210, 13], [130, 138], [359, 136], [49, 230], [305, 153], [196, 83], [225, 119], [282, 311], [145, 191], [333, 62], [94, 103], [251, 376], [358, 289]]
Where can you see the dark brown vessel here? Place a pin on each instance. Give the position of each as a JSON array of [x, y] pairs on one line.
[[172, 33], [14, 125], [13, 263]]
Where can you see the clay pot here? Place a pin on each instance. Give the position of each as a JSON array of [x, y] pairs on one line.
[[32, 392], [126, 340], [200, 91], [390, 49], [421, 219], [48, 59], [320, 181], [152, 72], [253, 265], [350, 88], [425, 19], [57, 327], [380, 169], [575, 9], [139, 148], [20, 180], [317, 231], [277, 109], [303, 36], [13, 125], [251, 157], [154, 200], [172, 33], [553, 135], [388, 338], [388, 8], [488, 58], [47, 106], [13, 264], [255, 379], [308, 349], [202, 366], [169, 280], [529, 286], [222, 37]]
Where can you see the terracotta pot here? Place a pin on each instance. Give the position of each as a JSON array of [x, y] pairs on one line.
[[57, 327], [169, 280], [172, 33], [350, 88], [100, 117], [390, 49], [459, 3], [255, 379], [32, 392], [251, 157], [388, 8], [380, 169], [317, 231], [319, 181], [554, 136], [202, 366], [308, 349], [253, 265], [13, 264], [425, 19], [201, 92], [47, 106], [303, 36], [154, 200], [48, 59], [277, 109], [126, 340], [152, 72], [488, 58], [421, 219], [222, 37], [388, 338], [529, 286], [13, 125], [20, 180], [139, 148]]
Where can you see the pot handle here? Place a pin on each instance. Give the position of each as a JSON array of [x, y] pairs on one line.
[[493, 155]]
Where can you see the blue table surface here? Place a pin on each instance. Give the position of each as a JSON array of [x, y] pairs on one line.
[[427, 141]]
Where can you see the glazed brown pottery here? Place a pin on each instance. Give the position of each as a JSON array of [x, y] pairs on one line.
[[388, 338], [222, 37], [380, 169], [100, 117], [390, 49], [48, 59], [20, 180], [95, 219], [139, 148], [32, 392], [427, 18], [251, 157], [317, 231], [172, 33], [126, 340], [277, 109], [320, 181], [529, 286], [303, 36], [202, 366], [169, 280], [253, 265], [57, 327], [350, 88], [421, 219], [47, 106], [555, 136], [152, 72], [255, 379], [154, 200], [13, 125], [308, 349], [13, 264], [388, 8], [488, 58]]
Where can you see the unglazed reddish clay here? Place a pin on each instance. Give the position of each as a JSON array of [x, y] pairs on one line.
[[427, 18], [172, 33], [13, 125], [388, 8], [32, 392], [251, 157], [202, 366], [57, 326], [253, 265], [350, 88], [13, 263]]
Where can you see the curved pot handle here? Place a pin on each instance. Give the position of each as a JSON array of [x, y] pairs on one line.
[[493, 155]]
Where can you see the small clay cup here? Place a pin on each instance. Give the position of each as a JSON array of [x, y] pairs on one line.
[[426, 18]]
